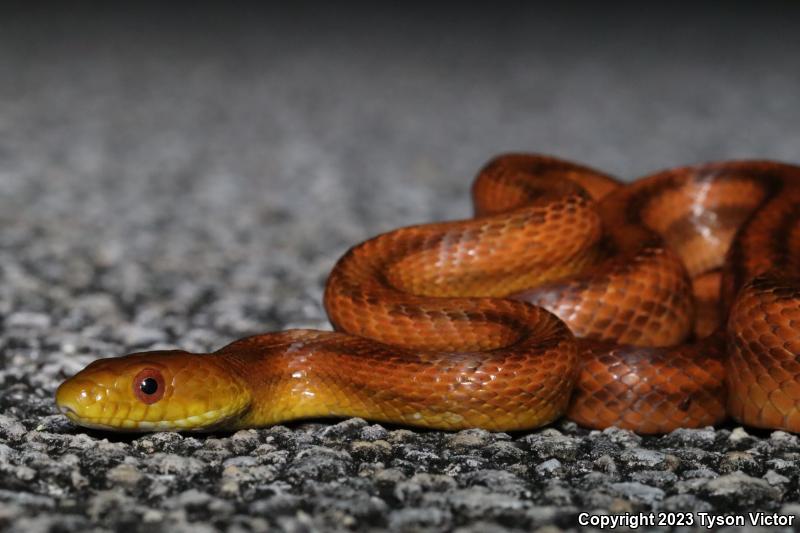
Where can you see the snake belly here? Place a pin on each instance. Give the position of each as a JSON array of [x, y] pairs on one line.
[[673, 301]]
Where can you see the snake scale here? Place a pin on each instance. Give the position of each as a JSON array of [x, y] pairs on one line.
[[672, 301]]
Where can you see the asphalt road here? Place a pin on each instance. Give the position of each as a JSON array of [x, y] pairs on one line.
[[183, 178]]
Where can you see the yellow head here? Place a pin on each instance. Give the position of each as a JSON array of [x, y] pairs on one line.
[[154, 391]]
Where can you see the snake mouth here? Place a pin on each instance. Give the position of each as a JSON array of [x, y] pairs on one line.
[[207, 421], [74, 417], [67, 410]]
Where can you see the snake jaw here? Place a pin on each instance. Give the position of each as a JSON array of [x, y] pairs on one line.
[[207, 421]]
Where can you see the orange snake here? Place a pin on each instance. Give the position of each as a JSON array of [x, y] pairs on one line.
[[669, 302]]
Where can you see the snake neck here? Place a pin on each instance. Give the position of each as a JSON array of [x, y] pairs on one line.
[[302, 374], [281, 374]]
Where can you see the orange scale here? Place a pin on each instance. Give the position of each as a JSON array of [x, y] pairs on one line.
[[782, 402]]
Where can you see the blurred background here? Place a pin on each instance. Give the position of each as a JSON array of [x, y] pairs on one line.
[[193, 159], [197, 158], [183, 176]]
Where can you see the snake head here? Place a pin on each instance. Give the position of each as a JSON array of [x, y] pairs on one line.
[[154, 391]]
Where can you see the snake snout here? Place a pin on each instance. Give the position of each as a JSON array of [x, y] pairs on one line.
[[75, 396]]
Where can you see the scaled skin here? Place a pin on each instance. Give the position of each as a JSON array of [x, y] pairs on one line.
[[437, 327]]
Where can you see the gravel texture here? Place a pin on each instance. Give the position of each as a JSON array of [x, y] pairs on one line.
[[185, 178]]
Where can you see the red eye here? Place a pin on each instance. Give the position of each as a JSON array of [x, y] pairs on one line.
[[148, 385]]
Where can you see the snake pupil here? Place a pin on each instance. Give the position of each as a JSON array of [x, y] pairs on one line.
[[149, 386]]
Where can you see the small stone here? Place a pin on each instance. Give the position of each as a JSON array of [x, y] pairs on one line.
[[606, 464], [556, 492], [11, 429], [79, 482], [386, 480], [28, 320], [24, 473], [642, 458], [183, 467], [168, 441], [244, 441], [549, 468], [622, 437], [692, 458], [400, 436], [685, 502], [540, 517], [739, 461], [434, 482], [413, 489], [784, 441], [738, 434], [783, 466], [703, 438], [55, 424], [497, 481], [320, 464], [346, 430], [373, 432], [6, 453], [276, 505], [773, 478], [478, 503], [662, 479], [420, 518], [740, 489], [481, 526], [420, 459], [602, 444], [194, 498], [469, 439], [9, 513], [124, 475], [638, 492], [152, 516], [106, 503], [595, 480], [374, 451], [464, 463], [504, 452], [550, 443], [241, 461]]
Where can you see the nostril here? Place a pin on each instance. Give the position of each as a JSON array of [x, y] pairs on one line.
[[77, 395], [88, 394]]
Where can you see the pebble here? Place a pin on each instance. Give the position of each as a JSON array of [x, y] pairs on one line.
[[549, 468], [124, 475], [703, 438], [641, 458], [11, 429], [638, 492], [319, 464], [420, 519], [741, 491], [551, 444], [28, 320], [740, 461]]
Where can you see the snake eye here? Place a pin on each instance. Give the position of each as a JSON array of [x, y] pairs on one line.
[[148, 385]]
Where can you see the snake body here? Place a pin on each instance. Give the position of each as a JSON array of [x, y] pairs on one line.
[[673, 301]]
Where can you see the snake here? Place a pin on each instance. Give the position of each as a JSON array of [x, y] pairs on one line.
[[672, 301]]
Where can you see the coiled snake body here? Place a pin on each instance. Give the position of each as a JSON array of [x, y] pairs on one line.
[[670, 302]]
